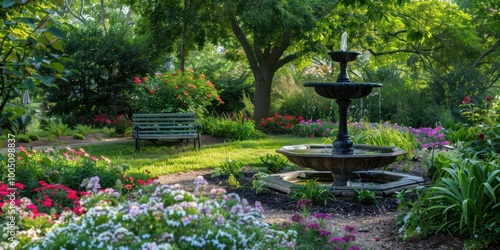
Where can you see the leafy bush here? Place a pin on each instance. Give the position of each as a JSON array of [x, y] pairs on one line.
[[83, 129], [385, 134], [274, 163], [316, 128], [103, 64], [229, 167], [312, 191], [414, 219], [23, 139], [367, 196], [68, 167], [236, 127], [174, 92], [467, 195], [78, 136], [57, 128], [279, 124], [33, 137]]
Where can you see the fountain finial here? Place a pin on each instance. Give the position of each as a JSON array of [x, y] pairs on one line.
[[343, 42]]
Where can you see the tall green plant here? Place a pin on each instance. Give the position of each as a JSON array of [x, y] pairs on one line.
[[468, 196], [385, 135]]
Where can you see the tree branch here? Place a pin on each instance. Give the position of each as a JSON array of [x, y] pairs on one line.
[[79, 18], [254, 65], [486, 53]]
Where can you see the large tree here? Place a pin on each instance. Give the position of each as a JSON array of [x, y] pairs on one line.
[[273, 33]]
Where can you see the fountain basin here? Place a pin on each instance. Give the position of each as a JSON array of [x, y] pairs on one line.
[[320, 157], [343, 90], [382, 183]]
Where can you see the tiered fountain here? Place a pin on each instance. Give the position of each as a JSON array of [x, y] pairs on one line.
[[343, 165]]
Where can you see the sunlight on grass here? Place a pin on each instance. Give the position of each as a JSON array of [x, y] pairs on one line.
[[160, 160]]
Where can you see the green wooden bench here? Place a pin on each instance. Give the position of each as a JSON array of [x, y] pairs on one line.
[[165, 126]]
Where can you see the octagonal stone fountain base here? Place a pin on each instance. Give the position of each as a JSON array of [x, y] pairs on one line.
[[383, 183]]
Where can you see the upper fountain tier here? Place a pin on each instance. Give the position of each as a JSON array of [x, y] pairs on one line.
[[343, 89]]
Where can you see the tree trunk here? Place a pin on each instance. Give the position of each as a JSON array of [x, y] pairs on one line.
[[263, 84]]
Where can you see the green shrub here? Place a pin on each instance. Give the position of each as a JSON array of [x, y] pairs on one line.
[[274, 163], [229, 167], [236, 127], [23, 139], [367, 196], [33, 137], [68, 167], [414, 219], [385, 135], [57, 128], [467, 197], [83, 129], [110, 132], [170, 92], [78, 136], [312, 191]]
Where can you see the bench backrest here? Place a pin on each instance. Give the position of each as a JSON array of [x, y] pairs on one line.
[[164, 123]]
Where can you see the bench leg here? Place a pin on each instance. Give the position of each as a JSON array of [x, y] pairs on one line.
[[137, 145], [199, 142]]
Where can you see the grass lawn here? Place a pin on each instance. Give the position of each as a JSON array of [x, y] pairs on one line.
[[163, 160]]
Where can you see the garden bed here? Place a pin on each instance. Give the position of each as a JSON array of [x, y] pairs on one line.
[[376, 224]]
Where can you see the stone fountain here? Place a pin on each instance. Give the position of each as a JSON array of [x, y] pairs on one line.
[[344, 165]]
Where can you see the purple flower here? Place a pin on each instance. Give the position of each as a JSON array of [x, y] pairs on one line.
[[304, 203], [323, 232], [313, 225], [321, 216], [336, 239], [297, 218]]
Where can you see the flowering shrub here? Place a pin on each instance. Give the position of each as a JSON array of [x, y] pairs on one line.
[[482, 125], [121, 123], [316, 128], [429, 137], [54, 198], [175, 92], [279, 123], [163, 217], [317, 233], [68, 167]]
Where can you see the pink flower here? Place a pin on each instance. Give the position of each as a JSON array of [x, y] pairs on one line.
[[19, 185], [466, 100], [137, 80]]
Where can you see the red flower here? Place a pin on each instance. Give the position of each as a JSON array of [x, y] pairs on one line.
[[151, 91], [466, 100], [481, 136], [137, 80], [488, 98], [19, 185], [377, 239]]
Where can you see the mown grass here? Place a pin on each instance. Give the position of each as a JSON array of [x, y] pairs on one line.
[[160, 160]]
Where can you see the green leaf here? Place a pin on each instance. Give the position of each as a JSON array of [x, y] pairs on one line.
[[56, 32], [57, 66], [8, 3], [26, 119], [29, 84], [57, 46], [28, 20]]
